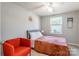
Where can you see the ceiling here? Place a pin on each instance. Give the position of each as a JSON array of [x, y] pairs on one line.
[[41, 8]]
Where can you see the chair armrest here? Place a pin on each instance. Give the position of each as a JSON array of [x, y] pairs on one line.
[[25, 42], [8, 49]]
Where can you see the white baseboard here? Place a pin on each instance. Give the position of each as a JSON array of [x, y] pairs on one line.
[[74, 44]]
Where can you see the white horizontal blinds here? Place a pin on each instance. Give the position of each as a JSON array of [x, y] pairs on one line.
[[56, 25]]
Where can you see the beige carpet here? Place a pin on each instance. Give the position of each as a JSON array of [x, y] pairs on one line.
[[34, 53], [74, 50]]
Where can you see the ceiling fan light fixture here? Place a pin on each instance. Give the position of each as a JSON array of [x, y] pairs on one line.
[[55, 4], [50, 9], [52, 5]]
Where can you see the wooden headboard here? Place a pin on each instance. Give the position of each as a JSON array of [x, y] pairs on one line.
[[28, 32]]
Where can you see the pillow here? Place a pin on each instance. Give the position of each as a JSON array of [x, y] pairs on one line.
[[35, 35]]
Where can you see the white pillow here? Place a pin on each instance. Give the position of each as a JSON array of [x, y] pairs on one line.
[[35, 35]]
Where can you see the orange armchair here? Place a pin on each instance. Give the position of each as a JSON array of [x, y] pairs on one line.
[[17, 47]]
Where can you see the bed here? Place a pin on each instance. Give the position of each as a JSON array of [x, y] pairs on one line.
[[50, 45]]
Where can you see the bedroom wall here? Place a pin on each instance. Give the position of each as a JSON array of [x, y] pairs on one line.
[[0, 21], [0, 27], [45, 24], [78, 28], [70, 34], [15, 21]]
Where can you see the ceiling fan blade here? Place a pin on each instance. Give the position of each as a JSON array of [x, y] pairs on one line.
[[38, 7]]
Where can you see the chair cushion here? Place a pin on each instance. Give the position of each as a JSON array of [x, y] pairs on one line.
[[14, 42], [22, 51]]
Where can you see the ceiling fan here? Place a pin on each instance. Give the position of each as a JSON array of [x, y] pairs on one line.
[[50, 5]]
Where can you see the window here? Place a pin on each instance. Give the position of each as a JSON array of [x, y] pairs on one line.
[[56, 25]]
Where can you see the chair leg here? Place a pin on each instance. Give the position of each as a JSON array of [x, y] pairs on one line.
[[29, 54]]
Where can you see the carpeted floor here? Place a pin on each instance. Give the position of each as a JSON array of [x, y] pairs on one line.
[[74, 50]]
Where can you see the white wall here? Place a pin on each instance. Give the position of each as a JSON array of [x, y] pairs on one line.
[[0, 28], [78, 31], [70, 34], [15, 21], [0, 21], [78, 28], [45, 24]]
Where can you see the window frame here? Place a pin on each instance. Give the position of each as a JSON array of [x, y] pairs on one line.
[[56, 24]]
